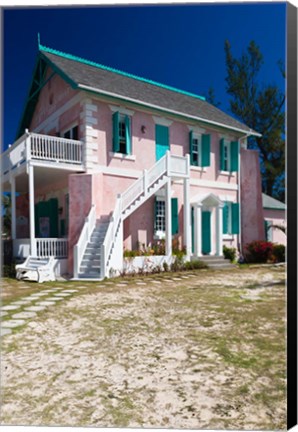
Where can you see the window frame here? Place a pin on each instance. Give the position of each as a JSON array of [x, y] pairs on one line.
[[70, 130], [198, 137]]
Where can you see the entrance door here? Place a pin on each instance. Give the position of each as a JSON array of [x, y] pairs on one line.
[[206, 232], [162, 141]]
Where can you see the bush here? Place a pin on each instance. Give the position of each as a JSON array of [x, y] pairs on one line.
[[229, 253], [259, 251], [195, 265], [279, 253]]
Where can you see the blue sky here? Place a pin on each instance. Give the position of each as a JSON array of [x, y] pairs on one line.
[[182, 46]]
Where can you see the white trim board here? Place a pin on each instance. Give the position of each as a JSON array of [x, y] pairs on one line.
[[211, 184]]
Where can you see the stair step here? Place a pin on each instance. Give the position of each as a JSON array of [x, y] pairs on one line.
[[95, 262], [88, 276]]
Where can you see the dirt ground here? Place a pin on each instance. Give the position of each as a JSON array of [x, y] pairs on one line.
[[199, 350]]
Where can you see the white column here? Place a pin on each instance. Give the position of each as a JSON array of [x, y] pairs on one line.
[[219, 211], [13, 207], [198, 230], [213, 232], [187, 222], [31, 210], [168, 211]]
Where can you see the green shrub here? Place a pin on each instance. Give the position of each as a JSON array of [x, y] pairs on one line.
[[195, 265], [229, 253], [258, 251], [279, 253], [165, 266]]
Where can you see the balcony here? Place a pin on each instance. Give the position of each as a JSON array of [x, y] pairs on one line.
[[43, 150]]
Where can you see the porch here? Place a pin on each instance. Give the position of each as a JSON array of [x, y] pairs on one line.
[[38, 165]]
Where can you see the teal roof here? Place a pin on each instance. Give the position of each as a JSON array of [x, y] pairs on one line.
[[272, 203]]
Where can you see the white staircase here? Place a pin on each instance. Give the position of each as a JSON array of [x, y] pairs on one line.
[[102, 248]]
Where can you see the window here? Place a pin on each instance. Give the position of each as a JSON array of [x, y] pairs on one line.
[[121, 134], [229, 153], [230, 218], [72, 133], [199, 149], [160, 216]]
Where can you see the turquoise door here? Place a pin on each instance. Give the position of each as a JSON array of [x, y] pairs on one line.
[[206, 232], [161, 141]]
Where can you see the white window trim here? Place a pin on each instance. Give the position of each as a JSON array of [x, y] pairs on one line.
[[121, 110], [196, 129], [162, 121], [72, 126], [159, 234], [228, 173], [122, 156], [199, 138], [198, 168]]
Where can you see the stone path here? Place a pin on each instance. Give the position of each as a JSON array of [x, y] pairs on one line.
[[17, 313]]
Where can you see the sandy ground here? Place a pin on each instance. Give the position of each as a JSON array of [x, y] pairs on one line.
[[204, 351]]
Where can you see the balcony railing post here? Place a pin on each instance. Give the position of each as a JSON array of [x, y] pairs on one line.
[[28, 145], [168, 162]]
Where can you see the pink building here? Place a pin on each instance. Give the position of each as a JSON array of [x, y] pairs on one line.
[[274, 219], [105, 161]]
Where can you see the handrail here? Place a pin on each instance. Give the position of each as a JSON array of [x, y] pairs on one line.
[[84, 238], [111, 235]]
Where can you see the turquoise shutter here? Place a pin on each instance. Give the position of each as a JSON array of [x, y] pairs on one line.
[[175, 222], [205, 150], [127, 135], [235, 218], [162, 140], [221, 155], [116, 143], [190, 147], [225, 216], [234, 155]]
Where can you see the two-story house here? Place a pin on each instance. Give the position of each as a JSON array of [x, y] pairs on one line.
[[105, 160]]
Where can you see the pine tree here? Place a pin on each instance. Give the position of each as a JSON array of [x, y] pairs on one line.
[[262, 109]]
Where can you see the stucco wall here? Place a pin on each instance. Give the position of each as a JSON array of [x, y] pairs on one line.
[[80, 201], [251, 197], [276, 217]]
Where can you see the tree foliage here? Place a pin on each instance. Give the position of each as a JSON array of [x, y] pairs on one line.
[[261, 107]]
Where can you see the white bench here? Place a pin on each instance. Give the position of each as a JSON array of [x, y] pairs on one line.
[[36, 269]]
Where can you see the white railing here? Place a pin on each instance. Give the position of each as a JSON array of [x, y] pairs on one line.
[[50, 148], [51, 247], [42, 147], [157, 170], [110, 236], [179, 165], [79, 248], [133, 192]]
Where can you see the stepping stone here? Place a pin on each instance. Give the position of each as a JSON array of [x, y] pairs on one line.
[[70, 291], [141, 283], [62, 294], [167, 280], [10, 307], [2, 314], [156, 282], [22, 302], [4, 331], [178, 279], [50, 291], [24, 315], [41, 294], [35, 308], [53, 299], [185, 277], [12, 323], [44, 303]]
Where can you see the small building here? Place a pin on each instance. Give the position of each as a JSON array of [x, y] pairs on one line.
[[274, 219]]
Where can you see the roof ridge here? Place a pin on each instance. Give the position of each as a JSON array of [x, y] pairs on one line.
[[111, 69]]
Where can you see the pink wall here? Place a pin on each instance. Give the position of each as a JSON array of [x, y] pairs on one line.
[[143, 144], [55, 93], [276, 217], [80, 201], [251, 197]]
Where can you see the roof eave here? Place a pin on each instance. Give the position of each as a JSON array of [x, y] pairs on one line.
[[249, 132]]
